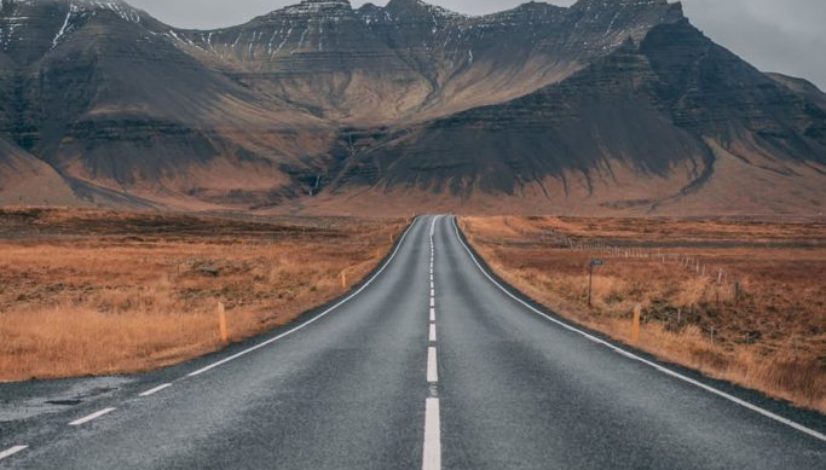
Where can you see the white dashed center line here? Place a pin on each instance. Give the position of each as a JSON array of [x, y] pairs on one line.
[[432, 453], [432, 366], [92, 417], [432, 436]]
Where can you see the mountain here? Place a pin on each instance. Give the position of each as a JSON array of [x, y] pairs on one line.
[[801, 87], [604, 107], [25, 180], [108, 97]]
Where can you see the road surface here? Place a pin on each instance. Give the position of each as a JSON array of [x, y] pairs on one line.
[[431, 364]]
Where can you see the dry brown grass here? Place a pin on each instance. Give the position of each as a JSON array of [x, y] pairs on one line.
[[771, 338], [84, 292]]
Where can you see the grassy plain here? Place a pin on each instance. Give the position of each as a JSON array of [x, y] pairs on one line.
[[91, 292], [754, 312]]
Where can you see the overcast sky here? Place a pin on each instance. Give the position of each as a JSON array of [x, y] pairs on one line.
[[787, 36]]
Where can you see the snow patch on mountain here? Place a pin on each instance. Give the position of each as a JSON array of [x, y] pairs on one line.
[[16, 15]]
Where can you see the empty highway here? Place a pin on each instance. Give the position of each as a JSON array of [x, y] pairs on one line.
[[430, 364]]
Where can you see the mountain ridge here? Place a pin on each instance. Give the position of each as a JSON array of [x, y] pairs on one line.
[[320, 101]]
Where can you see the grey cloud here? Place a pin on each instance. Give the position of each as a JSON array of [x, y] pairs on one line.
[[784, 36], [780, 36]]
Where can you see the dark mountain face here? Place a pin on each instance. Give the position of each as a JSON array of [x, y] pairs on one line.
[[601, 115], [410, 60], [106, 95], [650, 106], [620, 104]]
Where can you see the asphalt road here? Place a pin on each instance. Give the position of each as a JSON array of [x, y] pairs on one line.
[[420, 368]]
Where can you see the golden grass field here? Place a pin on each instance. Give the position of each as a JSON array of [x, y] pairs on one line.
[[771, 336], [90, 292]]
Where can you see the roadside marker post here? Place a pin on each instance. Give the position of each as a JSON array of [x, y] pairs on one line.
[[222, 323], [344, 279], [635, 327], [593, 264]]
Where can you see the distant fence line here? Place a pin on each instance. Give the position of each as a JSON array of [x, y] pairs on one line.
[[691, 263]]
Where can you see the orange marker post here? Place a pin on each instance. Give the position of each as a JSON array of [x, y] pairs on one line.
[[222, 323]]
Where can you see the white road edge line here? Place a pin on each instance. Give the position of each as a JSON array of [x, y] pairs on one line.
[[11, 451], [432, 366], [318, 317], [630, 355], [432, 457], [92, 417], [432, 335], [155, 390]]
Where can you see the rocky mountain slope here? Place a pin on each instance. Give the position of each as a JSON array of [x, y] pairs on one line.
[[606, 106], [25, 180]]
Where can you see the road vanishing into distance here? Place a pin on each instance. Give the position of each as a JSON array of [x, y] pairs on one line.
[[430, 364]]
